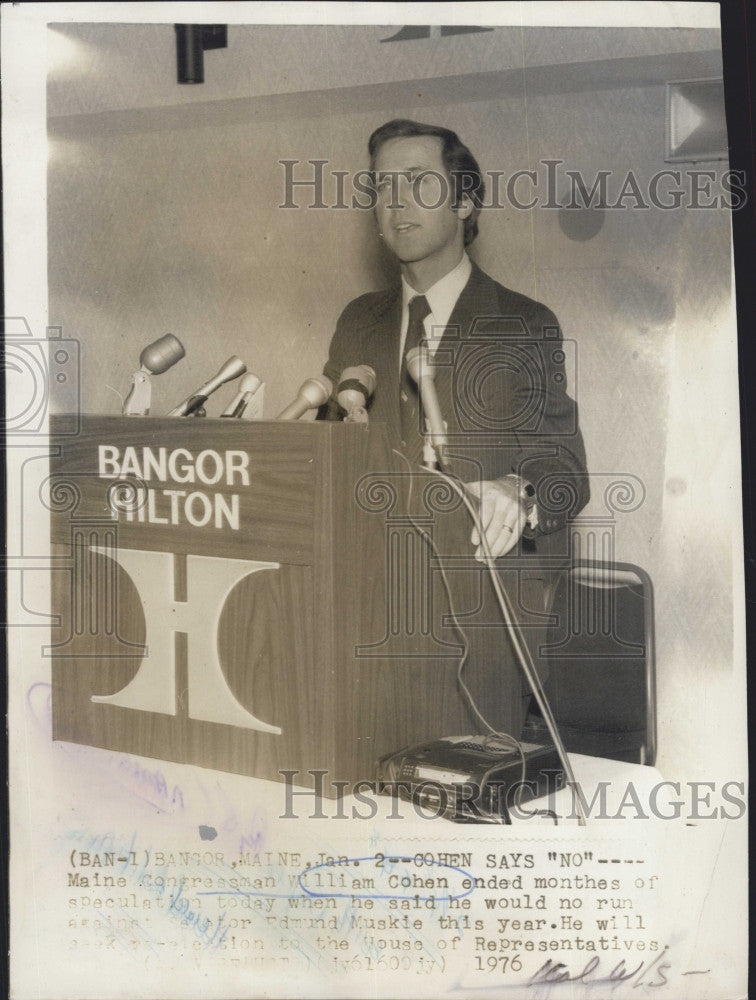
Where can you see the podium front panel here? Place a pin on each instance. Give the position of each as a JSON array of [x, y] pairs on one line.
[[263, 604]]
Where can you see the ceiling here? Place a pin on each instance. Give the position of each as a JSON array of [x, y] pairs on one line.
[[122, 77]]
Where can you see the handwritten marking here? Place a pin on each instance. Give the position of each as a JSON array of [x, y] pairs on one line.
[[557, 973], [211, 933]]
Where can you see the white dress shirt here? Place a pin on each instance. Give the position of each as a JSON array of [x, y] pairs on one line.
[[441, 297]]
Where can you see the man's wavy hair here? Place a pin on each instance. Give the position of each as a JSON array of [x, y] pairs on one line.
[[459, 162]]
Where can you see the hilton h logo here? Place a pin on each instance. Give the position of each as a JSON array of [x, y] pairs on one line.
[[209, 581]]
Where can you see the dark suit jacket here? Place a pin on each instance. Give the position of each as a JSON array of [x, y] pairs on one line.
[[500, 379]]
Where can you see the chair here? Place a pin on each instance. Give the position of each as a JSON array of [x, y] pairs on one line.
[[601, 681]]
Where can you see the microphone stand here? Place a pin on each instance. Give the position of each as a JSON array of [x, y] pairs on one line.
[[420, 369], [430, 454], [155, 359]]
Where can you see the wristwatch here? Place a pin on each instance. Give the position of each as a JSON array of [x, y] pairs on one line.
[[527, 495]]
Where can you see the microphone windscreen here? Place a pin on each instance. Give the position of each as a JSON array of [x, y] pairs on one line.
[[418, 363], [161, 355], [250, 383], [360, 377], [316, 390], [248, 386], [232, 369], [312, 393]]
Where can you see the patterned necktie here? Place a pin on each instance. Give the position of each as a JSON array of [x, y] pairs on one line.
[[409, 397]]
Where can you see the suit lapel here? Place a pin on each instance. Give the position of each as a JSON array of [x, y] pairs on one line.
[[384, 350], [477, 301]]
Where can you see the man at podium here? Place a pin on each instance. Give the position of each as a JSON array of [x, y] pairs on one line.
[[498, 356]]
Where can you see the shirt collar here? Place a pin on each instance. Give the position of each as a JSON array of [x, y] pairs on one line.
[[442, 297]]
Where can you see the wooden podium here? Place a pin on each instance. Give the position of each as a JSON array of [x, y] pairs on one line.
[[256, 598]]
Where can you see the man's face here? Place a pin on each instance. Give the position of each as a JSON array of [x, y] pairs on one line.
[[414, 206]]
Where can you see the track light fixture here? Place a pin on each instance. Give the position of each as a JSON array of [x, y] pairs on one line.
[[192, 41]]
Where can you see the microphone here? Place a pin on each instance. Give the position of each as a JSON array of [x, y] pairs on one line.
[[232, 369], [239, 407], [162, 354], [357, 385], [155, 359], [420, 369], [312, 393]]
